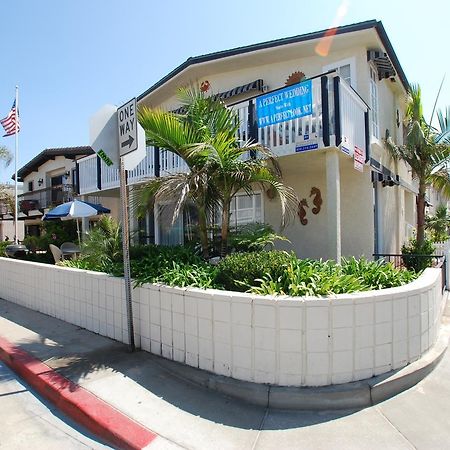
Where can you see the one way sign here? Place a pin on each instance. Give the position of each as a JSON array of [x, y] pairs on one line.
[[127, 125]]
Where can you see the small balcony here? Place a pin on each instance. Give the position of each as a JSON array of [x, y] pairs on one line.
[[339, 119], [41, 199]]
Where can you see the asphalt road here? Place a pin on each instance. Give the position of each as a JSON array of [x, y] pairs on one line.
[[28, 422]]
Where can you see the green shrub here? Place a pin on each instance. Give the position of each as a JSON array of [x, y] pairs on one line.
[[182, 275], [238, 271], [58, 231], [312, 278], [254, 237], [265, 273], [417, 263], [3, 245], [44, 258], [102, 247], [155, 263], [36, 243], [376, 274]]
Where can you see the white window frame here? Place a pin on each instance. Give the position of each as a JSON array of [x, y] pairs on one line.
[[344, 62], [243, 194], [374, 103], [253, 196], [156, 218]]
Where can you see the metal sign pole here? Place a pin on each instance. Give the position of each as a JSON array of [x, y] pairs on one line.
[[126, 254]]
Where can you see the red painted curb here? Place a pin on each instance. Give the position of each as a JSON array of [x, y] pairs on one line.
[[76, 402]]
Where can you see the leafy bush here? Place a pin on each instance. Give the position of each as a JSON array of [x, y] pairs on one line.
[[238, 271], [254, 237], [3, 245], [417, 263], [182, 275], [312, 278], [174, 266], [43, 257], [153, 263], [36, 243], [376, 274], [273, 272], [58, 231], [102, 247]]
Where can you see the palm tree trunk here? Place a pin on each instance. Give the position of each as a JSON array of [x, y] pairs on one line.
[[203, 231], [225, 227], [421, 213]]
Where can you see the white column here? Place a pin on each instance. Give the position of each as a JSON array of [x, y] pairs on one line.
[[84, 221], [333, 204]]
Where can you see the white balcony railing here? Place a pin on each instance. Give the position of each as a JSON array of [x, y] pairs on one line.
[[352, 112], [345, 126], [87, 170], [145, 169], [171, 163]]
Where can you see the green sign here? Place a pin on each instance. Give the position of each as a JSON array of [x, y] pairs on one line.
[[105, 157]]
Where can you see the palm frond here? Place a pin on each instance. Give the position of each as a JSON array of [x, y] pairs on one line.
[[443, 134]]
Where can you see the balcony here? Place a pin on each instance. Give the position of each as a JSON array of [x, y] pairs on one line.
[[339, 119], [41, 199]]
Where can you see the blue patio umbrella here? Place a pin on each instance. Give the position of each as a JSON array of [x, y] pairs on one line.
[[76, 209]]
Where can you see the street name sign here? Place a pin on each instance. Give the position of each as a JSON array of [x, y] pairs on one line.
[[127, 127], [103, 135]]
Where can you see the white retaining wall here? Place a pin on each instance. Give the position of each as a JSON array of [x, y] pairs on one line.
[[278, 340]]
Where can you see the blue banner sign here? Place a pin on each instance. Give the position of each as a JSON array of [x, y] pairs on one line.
[[285, 104]]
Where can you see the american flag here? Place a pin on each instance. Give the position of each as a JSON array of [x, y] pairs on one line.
[[11, 121]]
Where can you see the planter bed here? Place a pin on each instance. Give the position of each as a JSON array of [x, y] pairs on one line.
[[286, 341]]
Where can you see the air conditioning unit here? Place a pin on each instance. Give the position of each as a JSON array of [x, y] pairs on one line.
[[385, 179]]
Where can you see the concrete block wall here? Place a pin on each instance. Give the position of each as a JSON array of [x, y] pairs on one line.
[[278, 340]]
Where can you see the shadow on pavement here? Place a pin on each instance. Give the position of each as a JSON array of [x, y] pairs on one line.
[[82, 355]]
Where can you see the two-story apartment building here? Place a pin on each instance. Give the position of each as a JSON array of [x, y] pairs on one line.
[[353, 199], [49, 179]]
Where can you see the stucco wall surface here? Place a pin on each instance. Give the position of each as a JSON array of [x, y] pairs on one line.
[[278, 340]]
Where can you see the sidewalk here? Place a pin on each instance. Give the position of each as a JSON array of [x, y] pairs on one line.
[[185, 415]]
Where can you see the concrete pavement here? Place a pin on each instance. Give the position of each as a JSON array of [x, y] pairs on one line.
[[26, 421], [186, 415]]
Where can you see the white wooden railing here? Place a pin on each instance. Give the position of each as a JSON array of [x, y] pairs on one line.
[[284, 138], [87, 169], [145, 169], [352, 109], [171, 163], [110, 176]]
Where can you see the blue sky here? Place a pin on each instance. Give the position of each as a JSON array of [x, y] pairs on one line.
[[71, 57]]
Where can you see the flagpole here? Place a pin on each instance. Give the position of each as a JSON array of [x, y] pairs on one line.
[[16, 203]]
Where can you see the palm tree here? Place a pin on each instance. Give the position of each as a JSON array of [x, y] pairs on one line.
[[439, 224], [205, 136], [425, 154], [231, 173], [180, 134], [5, 155]]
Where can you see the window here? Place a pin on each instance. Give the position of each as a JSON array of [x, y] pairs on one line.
[[30, 186], [345, 69], [245, 209], [374, 102], [168, 234]]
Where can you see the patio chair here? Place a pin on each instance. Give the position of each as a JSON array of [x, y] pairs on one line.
[[56, 252], [69, 249]]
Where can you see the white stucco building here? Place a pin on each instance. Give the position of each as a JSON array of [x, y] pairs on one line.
[[48, 180], [349, 206]]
